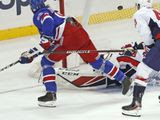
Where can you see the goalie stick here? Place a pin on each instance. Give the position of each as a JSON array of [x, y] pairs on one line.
[[84, 80], [79, 78]]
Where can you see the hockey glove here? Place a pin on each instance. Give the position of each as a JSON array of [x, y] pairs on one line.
[[47, 43], [28, 56], [128, 50], [139, 46]]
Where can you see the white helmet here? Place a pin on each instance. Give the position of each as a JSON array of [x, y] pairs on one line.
[[144, 3]]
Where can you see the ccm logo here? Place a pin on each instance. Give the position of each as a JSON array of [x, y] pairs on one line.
[[70, 73], [17, 3]]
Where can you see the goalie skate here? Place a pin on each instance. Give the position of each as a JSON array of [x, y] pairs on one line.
[[47, 100]]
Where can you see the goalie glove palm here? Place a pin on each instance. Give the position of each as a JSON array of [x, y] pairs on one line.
[[28, 56]]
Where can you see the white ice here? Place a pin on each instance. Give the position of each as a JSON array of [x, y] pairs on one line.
[[19, 92]]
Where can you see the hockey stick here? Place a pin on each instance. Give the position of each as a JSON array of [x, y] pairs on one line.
[[64, 52], [80, 51], [8, 66]]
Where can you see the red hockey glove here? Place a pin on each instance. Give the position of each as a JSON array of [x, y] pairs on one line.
[[47, 43]]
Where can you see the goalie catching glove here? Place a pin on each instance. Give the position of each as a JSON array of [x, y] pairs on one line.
[[28, 56]]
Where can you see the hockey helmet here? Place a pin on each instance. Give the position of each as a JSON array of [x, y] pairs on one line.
[[144, 3], [36, 4]]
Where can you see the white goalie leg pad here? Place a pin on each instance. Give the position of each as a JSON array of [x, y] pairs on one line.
[[35, 70], [134, 113], [47, 104]]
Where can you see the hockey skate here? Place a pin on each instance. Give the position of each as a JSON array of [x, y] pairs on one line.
[[47, 100], [132, 110], [126, 83], [159, 98], [135, 107]]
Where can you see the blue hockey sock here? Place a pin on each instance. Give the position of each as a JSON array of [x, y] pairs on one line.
[[108, 68], [51, 86]]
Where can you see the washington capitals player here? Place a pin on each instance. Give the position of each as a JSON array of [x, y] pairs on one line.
[[60, 33], [147, 21]]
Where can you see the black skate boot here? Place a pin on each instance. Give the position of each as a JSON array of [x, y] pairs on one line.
[[126, 83], [47, 100], [135, 107], [159, 98]]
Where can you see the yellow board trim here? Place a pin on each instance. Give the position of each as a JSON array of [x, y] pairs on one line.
[[18, 32], [110, 16], [94, 19]]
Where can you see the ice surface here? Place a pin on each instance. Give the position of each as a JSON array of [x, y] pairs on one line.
[[19, 92]]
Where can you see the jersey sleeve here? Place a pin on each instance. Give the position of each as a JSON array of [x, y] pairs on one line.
[[47, 23], [143, 29]]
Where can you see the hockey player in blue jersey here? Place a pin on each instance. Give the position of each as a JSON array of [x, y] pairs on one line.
[[60, 33]]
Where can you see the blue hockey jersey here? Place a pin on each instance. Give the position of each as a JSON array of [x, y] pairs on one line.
[[49, 23]]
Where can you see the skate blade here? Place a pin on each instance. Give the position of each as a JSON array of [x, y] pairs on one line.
[[47, 104], [133, 113]]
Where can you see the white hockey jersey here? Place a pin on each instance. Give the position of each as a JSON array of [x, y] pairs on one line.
[[146, 20]]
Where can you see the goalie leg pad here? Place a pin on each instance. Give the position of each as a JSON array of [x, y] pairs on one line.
[[49, 75], [108, 68]]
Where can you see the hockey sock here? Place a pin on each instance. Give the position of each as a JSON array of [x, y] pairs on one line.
[[108, 68]]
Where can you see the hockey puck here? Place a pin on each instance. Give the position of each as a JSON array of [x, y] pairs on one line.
[[120, 7]]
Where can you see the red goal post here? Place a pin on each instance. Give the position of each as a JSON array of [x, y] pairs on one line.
[[62, 11]]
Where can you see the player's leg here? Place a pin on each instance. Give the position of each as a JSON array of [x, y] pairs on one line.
[[97, 62], [153, 57], [49, 78], [140, 83], [109, 69], [144, 69]]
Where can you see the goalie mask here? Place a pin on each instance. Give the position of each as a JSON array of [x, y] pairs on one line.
[[144, 3], [36, 4]]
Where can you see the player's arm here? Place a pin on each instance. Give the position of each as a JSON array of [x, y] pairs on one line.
[[48, 26], [143, 29], [28, 56], [47, 23]]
